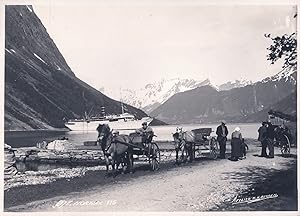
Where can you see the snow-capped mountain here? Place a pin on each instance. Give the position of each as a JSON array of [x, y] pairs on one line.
[[207, 105], [234, 84], [287, 74], [156, 93]]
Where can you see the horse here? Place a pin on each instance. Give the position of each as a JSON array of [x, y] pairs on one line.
[[183, 142], [114, 149]]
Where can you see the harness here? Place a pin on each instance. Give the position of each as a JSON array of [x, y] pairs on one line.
[[179, 136], [104, 141]]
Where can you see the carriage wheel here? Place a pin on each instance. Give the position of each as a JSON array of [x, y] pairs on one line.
[[154, 156], [213, 148], [285, 145]]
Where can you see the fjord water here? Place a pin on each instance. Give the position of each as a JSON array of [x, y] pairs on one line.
[[164, 133]]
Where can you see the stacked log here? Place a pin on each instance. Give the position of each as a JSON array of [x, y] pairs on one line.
[[53, 156]]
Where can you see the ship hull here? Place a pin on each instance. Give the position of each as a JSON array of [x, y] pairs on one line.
[[116, 125]]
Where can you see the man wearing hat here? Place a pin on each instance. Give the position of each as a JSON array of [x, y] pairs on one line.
[[222, 133], [146, 132], [262, 137]]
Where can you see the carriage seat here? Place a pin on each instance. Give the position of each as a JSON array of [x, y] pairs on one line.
[[201, 134], [138, 139]]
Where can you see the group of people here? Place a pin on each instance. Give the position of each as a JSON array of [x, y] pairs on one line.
[[267, 134], [238, 146]]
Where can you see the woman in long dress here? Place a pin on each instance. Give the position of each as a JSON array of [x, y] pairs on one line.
[[236, 141]]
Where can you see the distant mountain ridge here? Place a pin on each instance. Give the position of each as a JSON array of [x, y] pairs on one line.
[[234, 84], [205, 104], [154, 94], [41, 90]]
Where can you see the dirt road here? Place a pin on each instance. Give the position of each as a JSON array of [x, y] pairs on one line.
[[201, 186]]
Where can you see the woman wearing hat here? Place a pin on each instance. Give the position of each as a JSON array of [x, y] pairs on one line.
[[236, 141]]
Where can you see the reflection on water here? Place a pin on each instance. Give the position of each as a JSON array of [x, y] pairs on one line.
[[31, 138]]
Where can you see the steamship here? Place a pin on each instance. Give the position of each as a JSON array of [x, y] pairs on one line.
[[124, 121]]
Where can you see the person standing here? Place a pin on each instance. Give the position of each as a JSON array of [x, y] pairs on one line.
[[270, 139], [262, 137], [236, 141], [222, 133]]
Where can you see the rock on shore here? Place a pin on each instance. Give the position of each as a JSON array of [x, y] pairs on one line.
[[9, 162]]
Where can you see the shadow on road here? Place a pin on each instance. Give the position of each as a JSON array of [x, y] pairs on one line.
[[263, 181], [85, 183]]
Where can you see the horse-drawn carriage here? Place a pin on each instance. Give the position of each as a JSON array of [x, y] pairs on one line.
[[148, 149], [283, 139], [283, 135], [120, 149], [195, 141]]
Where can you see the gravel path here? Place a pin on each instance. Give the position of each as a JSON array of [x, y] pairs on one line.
[[201, 186]]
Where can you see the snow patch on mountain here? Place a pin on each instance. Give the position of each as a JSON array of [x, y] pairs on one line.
[[28, 7], [287, 74], [7, 50], [39, 58]]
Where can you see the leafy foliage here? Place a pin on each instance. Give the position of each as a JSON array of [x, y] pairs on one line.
[[284, 46]]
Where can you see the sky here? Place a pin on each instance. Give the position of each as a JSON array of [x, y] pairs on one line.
[[119, 46]]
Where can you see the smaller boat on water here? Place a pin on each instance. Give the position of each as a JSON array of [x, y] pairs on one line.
[[124, 121]]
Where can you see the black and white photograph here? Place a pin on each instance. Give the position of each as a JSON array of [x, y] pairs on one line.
[[150, 106]]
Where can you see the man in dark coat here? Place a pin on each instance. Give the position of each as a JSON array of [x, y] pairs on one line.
[[270, 139], [222, 133], [262, 137]]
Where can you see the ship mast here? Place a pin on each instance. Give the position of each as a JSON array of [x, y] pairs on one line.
[[121, 100]]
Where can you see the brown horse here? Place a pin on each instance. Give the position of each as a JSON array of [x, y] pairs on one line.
[[183, 143], [114, 149]]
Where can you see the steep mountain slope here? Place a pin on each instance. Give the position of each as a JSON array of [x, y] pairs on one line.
[[287, 105], [205, 104], [40, 88]]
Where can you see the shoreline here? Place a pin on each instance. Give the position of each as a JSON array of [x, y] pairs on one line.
[[168, 125], [38, 130]]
